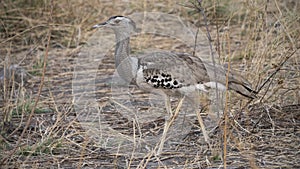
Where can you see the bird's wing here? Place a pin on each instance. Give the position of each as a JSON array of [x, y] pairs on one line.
[[169, 70], [172, 70]]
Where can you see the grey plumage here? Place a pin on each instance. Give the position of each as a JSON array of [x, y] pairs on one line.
[[176, 74], [183, 68]]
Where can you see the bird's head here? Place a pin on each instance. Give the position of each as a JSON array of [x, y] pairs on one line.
[[119, 24]]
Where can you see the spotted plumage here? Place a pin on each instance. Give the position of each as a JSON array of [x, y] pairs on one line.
[[161, 80]]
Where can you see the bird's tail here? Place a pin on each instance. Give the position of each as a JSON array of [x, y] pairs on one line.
[[235, 81], [243, 88]]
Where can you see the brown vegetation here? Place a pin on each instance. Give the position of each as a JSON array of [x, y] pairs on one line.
[[39, 125]]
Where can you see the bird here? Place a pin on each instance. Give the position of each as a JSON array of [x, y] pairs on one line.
[[174, 74]]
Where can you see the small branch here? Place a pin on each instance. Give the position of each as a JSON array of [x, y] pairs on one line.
[[268, 80], [277, 70], [201, 10]]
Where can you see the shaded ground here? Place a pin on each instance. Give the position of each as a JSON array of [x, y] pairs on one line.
[[261, 134]]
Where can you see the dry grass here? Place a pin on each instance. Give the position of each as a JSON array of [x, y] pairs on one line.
[[254, 36]]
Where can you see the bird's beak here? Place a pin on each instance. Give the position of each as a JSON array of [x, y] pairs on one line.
[[99, 25]]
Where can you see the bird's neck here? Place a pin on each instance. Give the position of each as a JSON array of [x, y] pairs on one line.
[[122, 49], [126, 66]]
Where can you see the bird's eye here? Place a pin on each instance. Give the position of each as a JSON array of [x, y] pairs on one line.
[[117, 21]]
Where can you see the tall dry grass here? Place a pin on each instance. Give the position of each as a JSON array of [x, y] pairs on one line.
[[258, 38]]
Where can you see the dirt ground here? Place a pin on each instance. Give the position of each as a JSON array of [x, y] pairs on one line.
[[61, 105]]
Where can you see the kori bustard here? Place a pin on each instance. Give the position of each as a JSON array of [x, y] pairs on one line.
[[175, 74]]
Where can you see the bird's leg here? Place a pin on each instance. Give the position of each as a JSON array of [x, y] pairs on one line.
[[169, 121], [206, 138], [195, 102], [168, 106]]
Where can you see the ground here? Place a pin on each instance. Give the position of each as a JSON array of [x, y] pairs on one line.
[[61, 108]]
